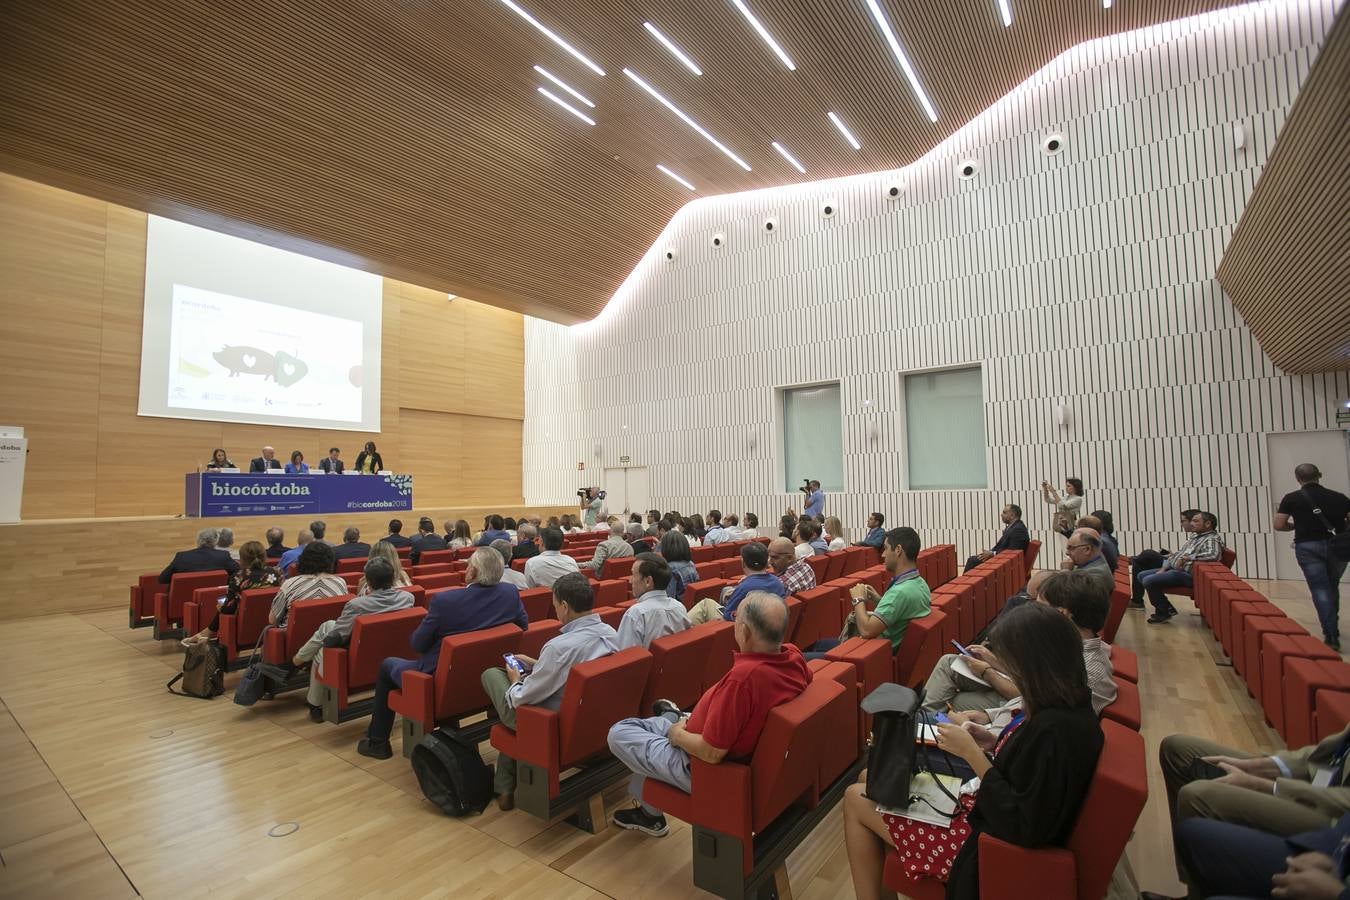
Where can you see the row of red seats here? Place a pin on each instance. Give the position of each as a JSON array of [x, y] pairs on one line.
[[1302, 685]]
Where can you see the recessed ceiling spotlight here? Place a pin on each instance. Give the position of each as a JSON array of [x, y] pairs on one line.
[[669, 45], [843, 129], [554, 38], [789, 157], [567, 106], [674, 176], [1106, 4], [763, 33], [1005, 12], [967, 169], [684, 118], [901, 58], [564, 85]]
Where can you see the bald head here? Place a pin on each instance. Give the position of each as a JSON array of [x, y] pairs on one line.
[[1091, 522], [1307, 473], [1034, 583], [764, 618], [781, 554], [1088, 536]]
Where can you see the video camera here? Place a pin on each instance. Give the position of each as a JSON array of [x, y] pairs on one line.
[[583, 493], [806, 486]]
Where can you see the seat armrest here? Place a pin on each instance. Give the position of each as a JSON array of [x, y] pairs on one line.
[[274, 647], [415, 699], [193, 617], [721, 796], [1007, 870], [538, 740], [228, 635]]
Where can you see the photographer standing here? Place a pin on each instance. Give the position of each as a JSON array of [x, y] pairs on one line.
[[814, 504], [591, 501]]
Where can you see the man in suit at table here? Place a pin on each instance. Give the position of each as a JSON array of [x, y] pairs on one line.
[[351, 546], [268, 460], [330, 464], [1014, 537], [202, 558]]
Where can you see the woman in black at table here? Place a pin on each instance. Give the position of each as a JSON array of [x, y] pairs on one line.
[[219, 460], [368, 461]]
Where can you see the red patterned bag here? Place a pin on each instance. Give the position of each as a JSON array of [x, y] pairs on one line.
[[928, 851]]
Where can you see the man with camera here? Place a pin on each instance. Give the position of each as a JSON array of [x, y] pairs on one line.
[[814, 505], [591, 501]]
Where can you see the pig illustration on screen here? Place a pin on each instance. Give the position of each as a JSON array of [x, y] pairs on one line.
[[248, 360]]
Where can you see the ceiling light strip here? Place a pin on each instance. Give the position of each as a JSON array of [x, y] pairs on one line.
[[901, 58], [674, 176], [684, 118], [763, 33], [1005, 12], [789, 157], [554, 38], [564, 85], [1106, 4], [843, 129], [669, 45], [567, 106]]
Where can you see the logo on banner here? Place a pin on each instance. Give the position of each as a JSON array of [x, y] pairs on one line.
[[286, 489]]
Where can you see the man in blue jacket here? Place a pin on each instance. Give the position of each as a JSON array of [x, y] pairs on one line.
[[485, 602]]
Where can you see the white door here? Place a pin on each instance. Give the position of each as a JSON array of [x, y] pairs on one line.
[[637, 491], [1330, 452], [615, 486]]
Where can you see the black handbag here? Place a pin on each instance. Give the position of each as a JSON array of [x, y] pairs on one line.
[[891, 756], [253, 684], [1338, 542]]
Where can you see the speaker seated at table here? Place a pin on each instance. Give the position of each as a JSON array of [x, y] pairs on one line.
[[268, 460]]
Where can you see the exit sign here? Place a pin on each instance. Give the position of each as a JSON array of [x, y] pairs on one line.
[[625, 460]]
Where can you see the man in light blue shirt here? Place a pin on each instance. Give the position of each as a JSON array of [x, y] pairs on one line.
[[290, 556], [815, 501], [584, 637], [655, 614], [717, 532]]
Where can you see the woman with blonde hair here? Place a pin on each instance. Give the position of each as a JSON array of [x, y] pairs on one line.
[[389, 552], [835, 529]]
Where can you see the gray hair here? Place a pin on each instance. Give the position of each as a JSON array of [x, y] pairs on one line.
[[207, 537], [502, 546], [635, 529], [766, 615], [616, 527], [225, 538], [526, 531], [351, 535], [487, 563], [304, 537]]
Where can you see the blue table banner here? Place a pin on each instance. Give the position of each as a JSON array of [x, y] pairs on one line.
[[217, 494]]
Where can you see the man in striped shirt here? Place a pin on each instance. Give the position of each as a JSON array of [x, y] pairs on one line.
[[1205, 545]]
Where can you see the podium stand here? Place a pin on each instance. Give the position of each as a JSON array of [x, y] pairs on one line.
[[13, 457]]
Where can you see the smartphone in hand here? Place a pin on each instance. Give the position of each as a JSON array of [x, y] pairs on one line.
[[517, 665], [962, 650]]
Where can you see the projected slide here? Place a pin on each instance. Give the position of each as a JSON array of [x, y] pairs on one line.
[[238, 355]]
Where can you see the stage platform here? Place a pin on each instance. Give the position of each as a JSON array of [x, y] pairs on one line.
[[77, 565]]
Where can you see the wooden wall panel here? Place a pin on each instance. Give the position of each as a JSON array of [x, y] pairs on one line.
[[72, 275]]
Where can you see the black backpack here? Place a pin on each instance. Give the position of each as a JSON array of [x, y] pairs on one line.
[[452, 774]]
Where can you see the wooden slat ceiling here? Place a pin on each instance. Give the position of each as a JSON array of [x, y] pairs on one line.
[[406, 137], [1287, 266]]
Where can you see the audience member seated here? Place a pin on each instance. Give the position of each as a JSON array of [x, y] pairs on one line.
[[583, 637], [383, 596], [613, 546], [809, 541], [907, 598], [750, 528], [787, 526], [351, 547], [385, 550], [276, 548], [202, 558], [395, 535], [637, 539], [484, 602], [458, 535], [527, 541], [1084, 551], [1079, 595], [653, 519], [509, 575], [313, 578], [1033, 775], [1153, 559], [795, 573], [297, 464], [219, 460], [427, 540], [693, 530], [509, 525], [253, 572], [225, 541], [1110, 548], [1285, 793], [1220, 858], [319, 528], [568, 524], [332, 463], [675, 550], [290, 557], [717, 532], [606, 525], [1094, 524], [551, 563], [494, 530], [756, 577], [656, 613], [876, 534], [726, 722], [1014, 537], [268, 460], [834, 534], [1205, 545], [1030, 591]]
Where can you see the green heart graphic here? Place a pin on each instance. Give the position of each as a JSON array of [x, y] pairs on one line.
[[289, 369]]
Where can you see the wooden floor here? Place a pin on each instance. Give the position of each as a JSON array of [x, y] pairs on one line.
[[114, 787]]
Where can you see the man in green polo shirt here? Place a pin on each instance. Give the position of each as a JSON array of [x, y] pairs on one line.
[[907, 597]]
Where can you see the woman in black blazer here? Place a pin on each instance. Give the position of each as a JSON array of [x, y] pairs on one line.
[[368, 461], [219, 460], [1033, 782]]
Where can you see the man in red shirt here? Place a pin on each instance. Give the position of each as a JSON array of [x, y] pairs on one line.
[[726, 721]]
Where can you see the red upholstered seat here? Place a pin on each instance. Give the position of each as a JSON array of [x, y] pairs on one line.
[[847, 740], [1331, 711], [419, 595], [720, 653], [727, 550], [710, 569], [820, 564], [142, 608], [427, 557], [169, 606], [455, 689], [920, 650], [434, 584], [540, 632], [1228, 596], [1303, 679], [345, 670], [732, 568], [878, 578], [241, 629], [1082, 869], [821, 616], [1029, 557], [616, 567], [1275, 649], [1239, 613], [613, 591], [610, 615], [1255, 628], [444, 568], [702, 554], [699, 590], [1120, 602], [352, 564], [353, 579], [1124, 663], [304, 618], [1126, 709], [538, 603], [679, 662], [837, 559]]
